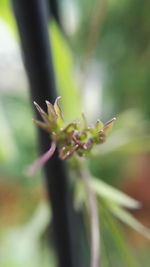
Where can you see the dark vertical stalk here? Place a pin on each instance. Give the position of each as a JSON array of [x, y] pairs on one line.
[[32, 23]]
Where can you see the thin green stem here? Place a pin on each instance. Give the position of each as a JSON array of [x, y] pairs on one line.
[[93, 214]]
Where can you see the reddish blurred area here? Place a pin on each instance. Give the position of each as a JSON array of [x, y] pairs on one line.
[[137, 185], [17, 203]]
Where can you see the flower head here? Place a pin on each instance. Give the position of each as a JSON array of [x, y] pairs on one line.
[[75, 137]]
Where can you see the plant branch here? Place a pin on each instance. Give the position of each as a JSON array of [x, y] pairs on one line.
[[93, 214], [39, 162]]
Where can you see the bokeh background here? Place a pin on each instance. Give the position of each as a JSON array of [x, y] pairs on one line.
[[101, 56]]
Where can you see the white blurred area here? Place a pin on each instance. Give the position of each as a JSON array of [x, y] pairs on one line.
[[12, 74], [71, 21], [92, 93]]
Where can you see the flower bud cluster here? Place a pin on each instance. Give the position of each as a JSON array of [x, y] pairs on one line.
[[75, 137]]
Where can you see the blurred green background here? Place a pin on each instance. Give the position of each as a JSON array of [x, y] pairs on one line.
[[102, 66]]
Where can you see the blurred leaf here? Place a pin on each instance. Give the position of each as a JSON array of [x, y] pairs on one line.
[[124, 216], [136, 146], [63, 60], [8, 146], [18, 135], [112, 236], [20, 245], [107, 191], [123, 142], [6, 13]]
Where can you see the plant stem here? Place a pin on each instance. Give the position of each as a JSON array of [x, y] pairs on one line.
[[39, 162], [93, 214]]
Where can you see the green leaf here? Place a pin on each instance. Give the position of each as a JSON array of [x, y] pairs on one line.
[[108, 192], [124, 216], [63, 62], [111, 234], [8, 146], [6, 14]]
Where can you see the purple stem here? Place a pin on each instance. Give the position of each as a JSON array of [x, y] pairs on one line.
[[39, 162]]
